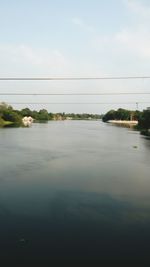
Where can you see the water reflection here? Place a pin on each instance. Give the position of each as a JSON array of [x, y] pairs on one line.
[[77, 228], [74, 194], [99, 208]]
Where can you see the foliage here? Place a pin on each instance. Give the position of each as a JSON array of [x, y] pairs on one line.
[[43, 115], [110, 115], [14, 117], [84, 116], [26, 112], [144, 120], [121, 114], [9, 116]]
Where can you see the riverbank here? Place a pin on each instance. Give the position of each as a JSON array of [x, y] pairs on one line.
[[4, 123], [124, 122], [133, 124], [130, 118], [145, 132]]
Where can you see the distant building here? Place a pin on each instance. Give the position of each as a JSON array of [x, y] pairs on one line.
[[148, 108], [27, 121]]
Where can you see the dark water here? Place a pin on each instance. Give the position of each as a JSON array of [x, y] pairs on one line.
[[74, 194]]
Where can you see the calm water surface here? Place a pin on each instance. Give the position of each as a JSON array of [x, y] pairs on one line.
[[74, 193]]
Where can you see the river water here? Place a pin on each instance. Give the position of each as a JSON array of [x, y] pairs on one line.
[[74, 193]]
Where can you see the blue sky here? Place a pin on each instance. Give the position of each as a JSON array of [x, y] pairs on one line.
[[75, 38]]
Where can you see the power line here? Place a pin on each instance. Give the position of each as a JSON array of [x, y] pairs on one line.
[[72, 94], [71, 78], [77, 103]]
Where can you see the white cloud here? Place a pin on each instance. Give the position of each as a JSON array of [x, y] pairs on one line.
[[125, 43], [138, 8], [137, 42], [80, 23], [132, 40], [26, 57], [77, 21]]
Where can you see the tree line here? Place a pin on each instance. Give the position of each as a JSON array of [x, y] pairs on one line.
[[44, 115], [143, 118], [12, 117]]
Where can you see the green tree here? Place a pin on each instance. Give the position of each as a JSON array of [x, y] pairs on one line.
[[7, 114], [110, 115], [26, 112], [43, 115], [144, 120]]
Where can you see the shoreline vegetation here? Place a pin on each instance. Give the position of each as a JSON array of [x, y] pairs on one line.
[[140, 120], [18, 118], [124, 122], [4, 123], [10, 117]]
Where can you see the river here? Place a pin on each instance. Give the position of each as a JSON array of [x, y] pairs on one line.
[[74, 193]]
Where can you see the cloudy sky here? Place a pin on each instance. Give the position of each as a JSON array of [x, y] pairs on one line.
[[75, 38]]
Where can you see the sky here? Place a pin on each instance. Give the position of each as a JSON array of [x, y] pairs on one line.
[[45, 38]]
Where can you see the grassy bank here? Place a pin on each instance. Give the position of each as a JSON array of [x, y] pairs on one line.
[[4, 123]]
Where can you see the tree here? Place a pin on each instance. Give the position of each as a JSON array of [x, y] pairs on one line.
[[43, 115], [7, 114], [26, 112], [110, 115], [144, 120], [121, 114]]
